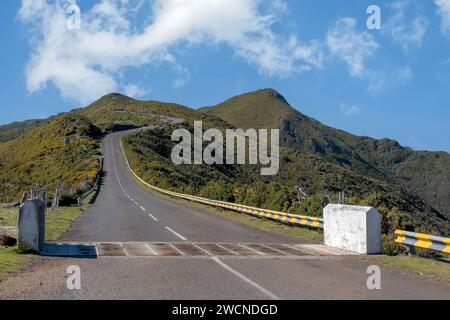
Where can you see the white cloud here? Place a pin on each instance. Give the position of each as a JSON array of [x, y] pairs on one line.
[[350, 110], [404, 29], [355, 48], [84, 64], [134, 90], [444, 12], [381, 81], [351, 46]]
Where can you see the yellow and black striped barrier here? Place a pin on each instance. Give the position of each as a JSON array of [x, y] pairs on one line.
[[424, 241], [312, 222]]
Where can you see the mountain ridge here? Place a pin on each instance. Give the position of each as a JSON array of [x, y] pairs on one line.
[[379, 158], [322, 159]]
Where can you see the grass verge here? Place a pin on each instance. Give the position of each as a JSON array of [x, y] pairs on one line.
[[418, 265], [56, 223], [10, 260]]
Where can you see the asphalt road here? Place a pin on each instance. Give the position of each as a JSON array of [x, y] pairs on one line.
[[124, 212]]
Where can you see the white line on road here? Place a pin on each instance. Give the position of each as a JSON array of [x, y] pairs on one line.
[[300, 250], [177, 234], [153, 217], [124, 250], [200, 248], [241, 276], [229, 250], [178, 250], [277, 250], [143, 209], [152, 251], [313, 247], [251, 249]]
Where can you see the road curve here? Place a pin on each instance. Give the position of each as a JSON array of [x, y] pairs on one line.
[[124, 212]]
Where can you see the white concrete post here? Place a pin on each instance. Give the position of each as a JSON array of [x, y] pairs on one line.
[[32, 225], [352, 228]]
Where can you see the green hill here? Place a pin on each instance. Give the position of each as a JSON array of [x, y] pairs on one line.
[[58, 153], [16, 129], [115, 111], [410, 188], [149, 153], [425, 174]]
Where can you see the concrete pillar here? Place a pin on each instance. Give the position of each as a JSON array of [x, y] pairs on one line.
[[32, 225], [352, 228]]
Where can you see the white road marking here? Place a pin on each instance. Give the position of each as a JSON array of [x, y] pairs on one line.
[[124, 250], [229, 250], [312, 247], [277, 250], [251, 249], [204, 250], [150, 248], [120, 184], [115, 170], [300, 250], [153, 217], [178, 250], [244, 278], [177, 234]]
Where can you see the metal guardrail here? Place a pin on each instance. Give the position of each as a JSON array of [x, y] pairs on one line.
[[312, 222], [424, 241]]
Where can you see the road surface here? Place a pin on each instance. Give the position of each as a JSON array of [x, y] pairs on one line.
[[151, 247]]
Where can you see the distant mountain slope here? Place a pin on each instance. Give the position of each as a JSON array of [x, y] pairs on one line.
[[149, 153], [16, 129], [63, 149], [405, 185], [60, 152], [425, 173], [116, 110]]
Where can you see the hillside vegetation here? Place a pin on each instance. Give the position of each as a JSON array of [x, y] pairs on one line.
[[149, 153], [409, 188], [61, 152], [116, 111], [16, 129], [426, 174]]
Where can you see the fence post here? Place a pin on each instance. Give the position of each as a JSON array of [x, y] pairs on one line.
[[24, 198], [32, 225]]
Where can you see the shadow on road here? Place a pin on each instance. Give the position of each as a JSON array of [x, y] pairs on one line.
[[85, 251]]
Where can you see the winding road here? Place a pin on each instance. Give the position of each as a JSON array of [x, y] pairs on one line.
[[151, 247]]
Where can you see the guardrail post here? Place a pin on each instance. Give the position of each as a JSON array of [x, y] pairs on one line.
[[353, 228], [32, 225]]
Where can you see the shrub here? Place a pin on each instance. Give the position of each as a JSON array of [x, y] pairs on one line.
[[390, 247]]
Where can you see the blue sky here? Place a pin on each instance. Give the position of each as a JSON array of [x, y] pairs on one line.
[[320, 55]]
